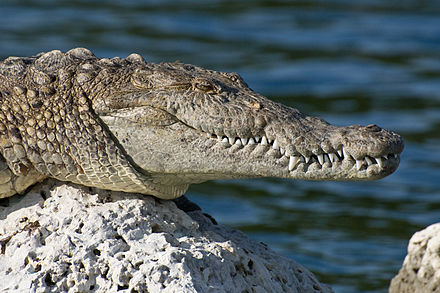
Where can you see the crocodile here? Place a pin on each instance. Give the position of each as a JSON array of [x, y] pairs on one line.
[[127, 125]]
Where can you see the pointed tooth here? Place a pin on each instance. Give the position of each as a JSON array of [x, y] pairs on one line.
[[264, 140], [326, 158], [369, 161], [293, 161], [225, 140], [251, 141], [231, 140], [269, 140], [307, 159], [275, 145], [385, 157], [257, 139], [321, 159], [346, 154], [282, 151], [359, 164], [340, 153], [395, 156], [244, 141], [331, 158], [379, 162], [238, 141]]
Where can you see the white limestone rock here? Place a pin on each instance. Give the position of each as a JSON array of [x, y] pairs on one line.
[[85, 240], [420, 272]]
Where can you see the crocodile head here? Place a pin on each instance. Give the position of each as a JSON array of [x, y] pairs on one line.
[[182, 124]]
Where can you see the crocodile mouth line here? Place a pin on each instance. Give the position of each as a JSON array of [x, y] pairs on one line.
[[322, 159]]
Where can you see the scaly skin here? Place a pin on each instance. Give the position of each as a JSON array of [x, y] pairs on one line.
[[128, 125]]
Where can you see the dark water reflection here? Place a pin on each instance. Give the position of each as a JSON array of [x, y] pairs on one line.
[[350, 62]]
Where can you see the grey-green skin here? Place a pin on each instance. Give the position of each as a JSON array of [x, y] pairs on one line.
[[128, 125]]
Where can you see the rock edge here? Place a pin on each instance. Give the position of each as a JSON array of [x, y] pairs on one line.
[[420, 272], [81, 239]]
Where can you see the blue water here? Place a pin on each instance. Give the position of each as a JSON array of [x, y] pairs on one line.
[[349, 62]]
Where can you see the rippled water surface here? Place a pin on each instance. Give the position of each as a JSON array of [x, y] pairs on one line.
[[349, 62]]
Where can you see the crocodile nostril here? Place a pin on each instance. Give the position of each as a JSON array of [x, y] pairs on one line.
[[254, 105], [373, 128]]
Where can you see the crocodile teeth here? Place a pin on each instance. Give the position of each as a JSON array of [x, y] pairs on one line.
[[359, 164], [321, 159], [379, 161], [369, 161], [333, 157], [346, 154], [293, 161], [340, 153]]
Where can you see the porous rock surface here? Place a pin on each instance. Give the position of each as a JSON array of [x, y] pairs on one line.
[[420, 272], [85, 240]]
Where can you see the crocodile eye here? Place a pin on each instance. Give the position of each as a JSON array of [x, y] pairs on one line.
[[142, 79], [236, 78], [204, 85]]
